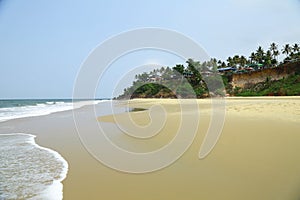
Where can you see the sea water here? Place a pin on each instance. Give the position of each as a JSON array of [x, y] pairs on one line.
[[20, 108], [28, 171]]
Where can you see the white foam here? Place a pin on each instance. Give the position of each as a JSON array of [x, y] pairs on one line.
[[55, 190], [31, 111], [80, 104], [42, 109]]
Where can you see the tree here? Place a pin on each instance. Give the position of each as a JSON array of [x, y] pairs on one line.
[[268, 59], [213, 61], [260, 54], [213, 64], [253, 57], [274, 50], [203, 67], [296, 48], [223, 65], [286, 50], [276, 54], [143, 77], [161, 70], [194, 66], [229, 61], [274, 60], [179, 69], [236, 60], [168, 73], [243, 61]]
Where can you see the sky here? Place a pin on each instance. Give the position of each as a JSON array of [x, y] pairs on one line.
[[44, 43]]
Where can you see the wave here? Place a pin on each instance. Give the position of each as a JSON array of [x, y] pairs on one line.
[[38, 108], [29, 171]]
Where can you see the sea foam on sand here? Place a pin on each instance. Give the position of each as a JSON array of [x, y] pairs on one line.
[[28, 170]]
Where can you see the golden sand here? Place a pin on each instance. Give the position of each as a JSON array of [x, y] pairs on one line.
[[256, 157]]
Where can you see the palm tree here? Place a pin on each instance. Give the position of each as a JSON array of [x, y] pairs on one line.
[[243, 61], [286, 50], [276, 54], [229, 62], [260, 54], [144, 77], [179, 68], [214, 60], [274, 48], [223, 65], [236, 60], [214, 63], [253, 57], [274, 60], [268, 59], [296, 48], [193, 67]]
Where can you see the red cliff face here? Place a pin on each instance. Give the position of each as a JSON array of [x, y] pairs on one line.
[[251, 78]]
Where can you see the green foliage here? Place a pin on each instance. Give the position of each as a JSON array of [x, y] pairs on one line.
[[289, 86], [186, 82], [179, 69], [151, 90], [214, 85], [185, 90], [193, 78]]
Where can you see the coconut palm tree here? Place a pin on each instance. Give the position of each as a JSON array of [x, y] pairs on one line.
[[243, 61], [253, 57], [223, 65], [260, 54], [296, 48], [276, 54], [268, 59], [229, 61], [274, 49], [274, 60], [286, 50], [236, 60], [179, 68], [214, 60]]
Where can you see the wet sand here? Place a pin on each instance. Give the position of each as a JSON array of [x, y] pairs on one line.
[[256, 156]]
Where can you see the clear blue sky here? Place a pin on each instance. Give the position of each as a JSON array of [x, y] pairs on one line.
[[43, 43]]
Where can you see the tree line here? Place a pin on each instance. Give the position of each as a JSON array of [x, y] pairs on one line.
[[196, 79], [268, 58]]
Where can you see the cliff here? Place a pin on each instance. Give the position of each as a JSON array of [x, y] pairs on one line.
[[271, 74]]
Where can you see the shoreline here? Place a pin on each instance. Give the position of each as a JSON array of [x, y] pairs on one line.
[[57, 185], [52, 191]]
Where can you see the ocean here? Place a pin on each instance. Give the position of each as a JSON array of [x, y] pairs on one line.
[[27, 170], [20, 108]]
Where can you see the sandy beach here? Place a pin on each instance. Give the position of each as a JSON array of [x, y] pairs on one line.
[[256, 156]]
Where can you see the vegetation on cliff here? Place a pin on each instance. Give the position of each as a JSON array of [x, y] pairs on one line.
[[214, 77], [289, 86]]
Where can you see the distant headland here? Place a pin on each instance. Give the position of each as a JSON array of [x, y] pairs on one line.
[[259, 75]]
